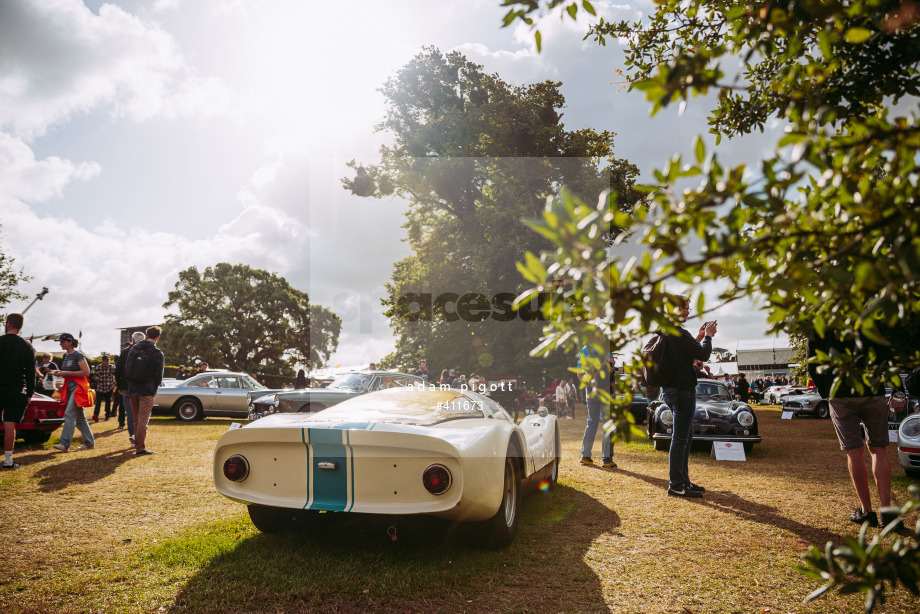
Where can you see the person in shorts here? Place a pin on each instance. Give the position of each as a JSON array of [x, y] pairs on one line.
[[852, 408], [17, 383]]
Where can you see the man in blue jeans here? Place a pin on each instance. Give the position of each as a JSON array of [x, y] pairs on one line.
[[600, 381], [680, 396]]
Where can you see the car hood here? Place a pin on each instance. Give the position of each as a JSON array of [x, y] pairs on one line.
[[721, 409]]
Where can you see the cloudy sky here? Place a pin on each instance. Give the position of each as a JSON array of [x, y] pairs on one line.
[[140, 137]]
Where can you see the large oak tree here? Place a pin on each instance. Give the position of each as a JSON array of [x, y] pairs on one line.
[[248, 320], [473, 155]]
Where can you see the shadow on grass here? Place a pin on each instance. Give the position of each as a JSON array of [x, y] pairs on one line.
[[169, 421], [755, 512], [433, 566], [81, 468]]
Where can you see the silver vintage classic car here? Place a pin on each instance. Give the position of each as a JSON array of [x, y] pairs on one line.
[[215, 393], [345, 386]]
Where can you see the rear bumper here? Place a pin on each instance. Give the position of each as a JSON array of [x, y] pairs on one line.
[[356, 470]]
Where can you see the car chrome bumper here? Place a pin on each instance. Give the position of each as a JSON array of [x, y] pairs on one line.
[[739, 438], [49, 421]]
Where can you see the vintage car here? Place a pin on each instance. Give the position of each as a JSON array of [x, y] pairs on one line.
[[43, 416], [214, 393], [807, 403], [638, 407], [406, 451], [345, 386], [774, 394], [717, 418], [904, 405], [909, 445]]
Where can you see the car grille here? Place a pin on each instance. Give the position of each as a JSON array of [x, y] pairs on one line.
[[914, 460], [793, 404]]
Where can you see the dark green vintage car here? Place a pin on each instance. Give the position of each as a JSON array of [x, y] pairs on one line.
[[345, 386]]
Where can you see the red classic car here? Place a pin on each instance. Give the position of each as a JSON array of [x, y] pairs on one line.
[[42, 417]]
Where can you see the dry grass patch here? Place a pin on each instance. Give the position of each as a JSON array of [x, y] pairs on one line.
[[106, 531]]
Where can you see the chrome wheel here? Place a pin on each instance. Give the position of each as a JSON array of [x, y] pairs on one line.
[[188, 410], [510, 498]]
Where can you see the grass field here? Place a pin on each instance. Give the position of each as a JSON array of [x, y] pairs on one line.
[[104, 531]]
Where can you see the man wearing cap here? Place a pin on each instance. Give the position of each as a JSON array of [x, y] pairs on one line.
[[75, 394], [143, 391], [17, 383]]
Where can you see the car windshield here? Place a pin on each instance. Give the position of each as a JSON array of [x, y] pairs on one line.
[[352, 381], [708, 390], [253, 383]]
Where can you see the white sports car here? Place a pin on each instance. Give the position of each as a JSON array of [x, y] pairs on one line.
[[453, 454]]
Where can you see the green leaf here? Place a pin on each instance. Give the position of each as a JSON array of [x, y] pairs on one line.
[[857, 35], [572, 9], [588, 7], [699, 148], [538, 38]]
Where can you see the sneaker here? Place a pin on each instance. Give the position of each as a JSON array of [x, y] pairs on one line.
[[144, 452], [85, 447], [859, 517], [60, 446], [694, 487], [131, 439], [568, 417], [686, 493], [609, 464], [11, 466], [886, 519], [95, 418], [587, 461]]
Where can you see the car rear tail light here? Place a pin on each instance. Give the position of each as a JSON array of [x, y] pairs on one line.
[[436, 479], [236, 468]]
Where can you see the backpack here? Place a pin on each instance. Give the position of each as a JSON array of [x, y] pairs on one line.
[[654, 369], [912, 383], [138, 366]]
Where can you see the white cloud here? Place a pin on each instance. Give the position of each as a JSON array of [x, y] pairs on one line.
[[24, 178], [57, 59]]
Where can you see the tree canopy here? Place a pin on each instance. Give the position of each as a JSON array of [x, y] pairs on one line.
[[10, 277], [473, 154], [247, 319]]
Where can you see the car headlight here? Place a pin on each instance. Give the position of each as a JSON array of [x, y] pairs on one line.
[[666, 417], [745, 418], [910, 428], [276, 401]]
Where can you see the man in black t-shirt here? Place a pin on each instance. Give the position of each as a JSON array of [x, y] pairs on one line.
[[17, 383], [423, 371]]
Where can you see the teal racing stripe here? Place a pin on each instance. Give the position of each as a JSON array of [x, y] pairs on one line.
[[330, 486], [351, 463], [303, 436]]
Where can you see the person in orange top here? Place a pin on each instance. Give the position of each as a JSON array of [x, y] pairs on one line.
[[75, 393]]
